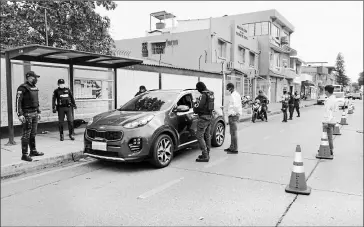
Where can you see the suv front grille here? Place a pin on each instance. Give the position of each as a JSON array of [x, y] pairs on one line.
[[102, 153], [108, 135]]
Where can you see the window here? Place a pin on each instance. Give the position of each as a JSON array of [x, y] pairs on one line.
[[221, 49], [251, 59], [265, 28], [251, 29], [186, 100], [145, 49], [275, 32], [158, 48], [286, 35], [241, 54], [258, 29], [277, 62]]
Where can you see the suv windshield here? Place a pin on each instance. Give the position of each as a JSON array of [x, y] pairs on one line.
[[151, 101]]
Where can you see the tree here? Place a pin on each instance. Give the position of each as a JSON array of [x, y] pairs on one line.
[[70, 24], [361, 79], [341, 77]]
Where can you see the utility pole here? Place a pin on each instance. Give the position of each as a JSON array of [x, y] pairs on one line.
[[46, 29]]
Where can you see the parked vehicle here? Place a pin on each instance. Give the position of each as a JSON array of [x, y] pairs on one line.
[[151, 126], [321, 99], [340, 98], [356, 96], [348, 95]]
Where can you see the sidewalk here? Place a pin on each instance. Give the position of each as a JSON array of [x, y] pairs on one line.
[[59, 153]]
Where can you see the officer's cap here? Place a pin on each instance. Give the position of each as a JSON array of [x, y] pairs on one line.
[[61, 81], [31, 73]]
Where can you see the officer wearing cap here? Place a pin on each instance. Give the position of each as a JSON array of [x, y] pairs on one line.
[[63, 102], [27, 109]]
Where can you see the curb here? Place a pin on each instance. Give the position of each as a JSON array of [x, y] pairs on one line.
[[21, 168], [245, 119]]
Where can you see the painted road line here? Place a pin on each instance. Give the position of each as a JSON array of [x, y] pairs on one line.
[[159, 189], [267, 137], [218, 161]]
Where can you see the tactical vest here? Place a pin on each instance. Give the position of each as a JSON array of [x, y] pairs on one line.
[[210, 102], [63, 97], [30, 99]]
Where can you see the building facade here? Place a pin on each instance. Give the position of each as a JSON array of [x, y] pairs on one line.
[[321, 76]]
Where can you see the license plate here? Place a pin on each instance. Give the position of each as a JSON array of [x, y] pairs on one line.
[[99, 146]]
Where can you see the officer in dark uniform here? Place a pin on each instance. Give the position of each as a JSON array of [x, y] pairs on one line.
[[290, 105], [65, 104], [27, 108], [204, 108], [297, 103], [142, 89]]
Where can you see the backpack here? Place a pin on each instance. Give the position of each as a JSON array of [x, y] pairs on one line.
[[210, 104]]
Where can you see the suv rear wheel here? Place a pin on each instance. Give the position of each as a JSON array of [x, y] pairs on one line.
[[218, 135], [162, 151]]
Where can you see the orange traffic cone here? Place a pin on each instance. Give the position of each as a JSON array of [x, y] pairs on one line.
[[337, 130], [324, 150], [297, 184], [343, 120]]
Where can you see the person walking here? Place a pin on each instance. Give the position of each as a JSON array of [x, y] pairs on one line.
[[297, 102], [63, 102], [204, 108], [142, 89], [290, 105], [27, 108], [329, 119], [234, 111], [284, 101]]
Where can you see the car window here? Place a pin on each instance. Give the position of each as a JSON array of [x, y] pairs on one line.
[[151, 101], [185, 100]]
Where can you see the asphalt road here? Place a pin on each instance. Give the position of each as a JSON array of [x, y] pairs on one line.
[[243, 189]]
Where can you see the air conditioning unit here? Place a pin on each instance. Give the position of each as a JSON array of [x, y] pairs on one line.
[[230, 65]]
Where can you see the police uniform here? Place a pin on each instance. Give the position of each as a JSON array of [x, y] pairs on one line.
[[27, 105], [63, 102], [285, 98], [204, 107], [297, 104], [291, 106]]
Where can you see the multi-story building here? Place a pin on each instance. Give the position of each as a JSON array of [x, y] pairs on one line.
[[321, 76], [254, 48]]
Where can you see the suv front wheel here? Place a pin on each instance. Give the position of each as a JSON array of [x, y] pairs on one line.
[[162, 151], [218, 136]]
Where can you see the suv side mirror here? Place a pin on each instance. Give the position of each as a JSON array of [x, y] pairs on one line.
[[182, 109]]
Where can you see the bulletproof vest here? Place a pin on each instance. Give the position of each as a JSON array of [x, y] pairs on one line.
[[63, 96], [30, 99], [210, 102]]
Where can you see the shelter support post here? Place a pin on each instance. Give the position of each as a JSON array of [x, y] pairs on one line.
[[115, 88], [9, 90]]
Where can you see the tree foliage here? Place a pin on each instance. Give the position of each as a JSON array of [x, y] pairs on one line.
[[341, 77], [70, 24], [361, 79]]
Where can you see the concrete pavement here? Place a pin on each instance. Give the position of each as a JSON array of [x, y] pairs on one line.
[[238, 190]]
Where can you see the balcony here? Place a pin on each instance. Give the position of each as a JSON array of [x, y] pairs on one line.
[[287, 73]]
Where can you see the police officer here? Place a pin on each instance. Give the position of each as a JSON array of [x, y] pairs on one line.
[[204, 108], [290, 105], [64, 106], [27, 108], [284, 100], [297, 103], [142, 89]]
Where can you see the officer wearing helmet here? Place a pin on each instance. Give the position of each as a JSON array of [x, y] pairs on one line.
[[204, 108], [63, 102], [27, 109]]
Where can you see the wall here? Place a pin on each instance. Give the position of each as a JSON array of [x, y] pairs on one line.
[[191, 45]]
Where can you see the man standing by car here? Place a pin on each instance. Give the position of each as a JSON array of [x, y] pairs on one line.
[[329, 120], [263, 99], [297, 103], [142, 89], [27, 108], [204, 108], [234, 111], [63, 102]]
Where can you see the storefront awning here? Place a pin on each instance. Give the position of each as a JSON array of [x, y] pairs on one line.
[[308, 83], [39, 53]]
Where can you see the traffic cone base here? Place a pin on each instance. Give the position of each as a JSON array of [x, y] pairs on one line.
[[324, 152], [343, 121], [297, 184], [350, 111], [336, 130]]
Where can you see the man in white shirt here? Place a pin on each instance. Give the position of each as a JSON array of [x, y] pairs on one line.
[[329, 120], [234, 111]]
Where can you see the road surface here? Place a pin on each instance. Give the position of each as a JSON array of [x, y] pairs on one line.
[[230, 190]]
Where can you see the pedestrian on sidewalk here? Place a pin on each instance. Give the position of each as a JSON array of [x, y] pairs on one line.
[[63, 102], [329, 119], [142, 89], [204, 108], [234, 111], [27, 108], [284, 101], [297, 102], [290, 105]]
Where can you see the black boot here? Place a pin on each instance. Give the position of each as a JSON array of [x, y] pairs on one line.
[[70, 129], [205, 157], [24, 150], [33, 150], [60, 128]]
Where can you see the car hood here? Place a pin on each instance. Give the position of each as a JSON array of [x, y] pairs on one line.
[[117, 117]]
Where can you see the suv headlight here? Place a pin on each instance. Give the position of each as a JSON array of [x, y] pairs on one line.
[[139, 122], [90, 121]]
